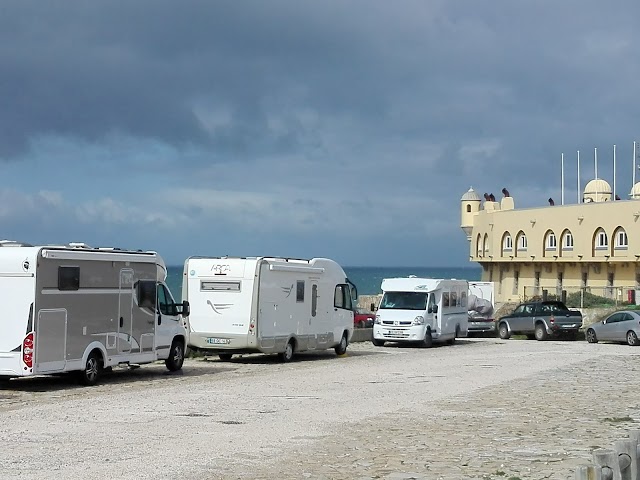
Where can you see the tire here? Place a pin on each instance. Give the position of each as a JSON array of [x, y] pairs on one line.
[[540, 332], [287, 355], [92, 369], [503, 331], [632, 338], [341, 348], [225, 357], [377, 343], [360, 324], [591, 336], [427, 341], [176, 356]]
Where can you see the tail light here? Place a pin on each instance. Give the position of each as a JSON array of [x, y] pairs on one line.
[[552, 319], [27, 350]]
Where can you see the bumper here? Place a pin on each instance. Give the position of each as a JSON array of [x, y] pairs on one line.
[[568, 328], [402, 334], [488, 327], [219, 342], [12, 366]]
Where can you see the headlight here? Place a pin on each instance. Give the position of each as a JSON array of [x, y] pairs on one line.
[[377, 320], [419, 320]]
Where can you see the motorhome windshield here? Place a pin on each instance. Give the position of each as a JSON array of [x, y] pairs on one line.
[[404, 300]]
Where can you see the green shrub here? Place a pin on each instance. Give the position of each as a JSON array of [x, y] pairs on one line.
[[589, 300]]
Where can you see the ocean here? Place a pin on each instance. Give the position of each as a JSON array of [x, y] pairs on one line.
[[366, 279]]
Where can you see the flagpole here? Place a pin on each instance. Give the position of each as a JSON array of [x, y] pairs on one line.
[[562, 178], [579, 192], [614, 173]]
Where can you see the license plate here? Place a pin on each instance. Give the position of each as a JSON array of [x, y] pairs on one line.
[[218, 341], [396, 332]]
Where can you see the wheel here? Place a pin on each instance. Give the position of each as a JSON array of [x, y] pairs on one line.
[[341, 348], [531, 336], [176, 356], [540, 332], [591, 336], [287, 355], [92, 369], [377, 343], [632, 338], [503, 331], [360, 324], [427, 341], [225, 357]]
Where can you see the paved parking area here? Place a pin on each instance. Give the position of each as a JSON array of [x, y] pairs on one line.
[[482, 408]]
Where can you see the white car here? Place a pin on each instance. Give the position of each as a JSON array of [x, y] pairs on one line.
[[622, 326]]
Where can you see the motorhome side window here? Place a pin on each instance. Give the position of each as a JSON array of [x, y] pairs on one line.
[[300, 291], [165, 302], [68, 278], [146, 291], [445, 299], [342, 297]]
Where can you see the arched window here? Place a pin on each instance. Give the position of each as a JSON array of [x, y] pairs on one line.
[[567, 240], [485, 245], [601, 239], [522, 241], [468, 208], [507, 243], [621, 239], [550, 243], [479, 246]]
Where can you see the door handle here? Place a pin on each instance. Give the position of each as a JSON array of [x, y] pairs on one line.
[[159, 319], [121, 322]]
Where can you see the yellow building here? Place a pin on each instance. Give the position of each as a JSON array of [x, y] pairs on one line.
[[592, 246]]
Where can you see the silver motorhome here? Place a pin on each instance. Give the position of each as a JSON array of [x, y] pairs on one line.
[[79, 309]]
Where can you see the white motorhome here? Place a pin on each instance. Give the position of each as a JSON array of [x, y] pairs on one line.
[[421, 310], [268, 305], [79, 309]]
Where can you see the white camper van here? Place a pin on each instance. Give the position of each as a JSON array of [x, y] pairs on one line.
[[421, 310], [269, 305], [79, 309]]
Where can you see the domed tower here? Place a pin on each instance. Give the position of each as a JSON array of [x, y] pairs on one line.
[[469, 205], [597, 190], [635, 192]]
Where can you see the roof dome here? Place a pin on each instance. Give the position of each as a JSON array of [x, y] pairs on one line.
[[471, 195], [597, 186], [635, 191]]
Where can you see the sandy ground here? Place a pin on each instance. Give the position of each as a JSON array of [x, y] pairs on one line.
[[482, 408]]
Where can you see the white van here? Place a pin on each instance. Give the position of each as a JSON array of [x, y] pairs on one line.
[[268, 305], [79, 309], [421, 310]]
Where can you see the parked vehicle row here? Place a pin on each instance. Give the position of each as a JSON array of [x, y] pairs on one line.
[[84, 310]]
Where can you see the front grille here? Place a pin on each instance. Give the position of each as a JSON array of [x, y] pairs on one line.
[[402, 322]]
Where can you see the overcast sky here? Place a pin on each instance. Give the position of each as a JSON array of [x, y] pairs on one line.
[[345, 129]]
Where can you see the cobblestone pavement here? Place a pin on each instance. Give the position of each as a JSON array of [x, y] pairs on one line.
[[540, 427], [481, 409]]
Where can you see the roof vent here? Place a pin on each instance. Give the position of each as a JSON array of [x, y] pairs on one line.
[[78, 245], [14, 243]]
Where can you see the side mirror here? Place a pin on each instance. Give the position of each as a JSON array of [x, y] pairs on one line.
[[184, 309], [433, 309]]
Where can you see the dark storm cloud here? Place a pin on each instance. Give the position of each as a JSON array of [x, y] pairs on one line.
[[339, 81]]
